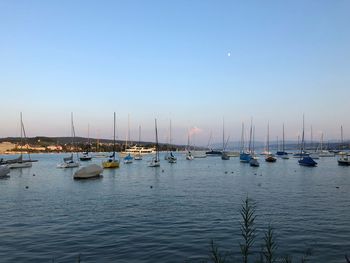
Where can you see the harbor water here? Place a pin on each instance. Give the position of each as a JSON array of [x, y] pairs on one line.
[[171, 213]]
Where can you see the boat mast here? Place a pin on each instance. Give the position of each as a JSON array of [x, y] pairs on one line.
[[157, 146], [170, 141], [268, 138], [139, 135], [223, 134], [250, 135], [242, 138], [302, 140], [128, 133], [283, 147], [253, 144], [341, 137], [21, 142], [73, 133], [114, 138], [311, 137]]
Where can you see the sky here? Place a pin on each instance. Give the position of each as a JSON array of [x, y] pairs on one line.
[[194, 62]]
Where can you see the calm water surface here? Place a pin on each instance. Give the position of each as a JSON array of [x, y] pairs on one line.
[[170, 214]]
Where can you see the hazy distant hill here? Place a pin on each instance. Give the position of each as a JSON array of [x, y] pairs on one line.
[[46, 141]]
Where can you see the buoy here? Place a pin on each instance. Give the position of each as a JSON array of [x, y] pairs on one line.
[[337, 187], [225, 172], [27, 187], [163, 171], [33, 174], [151, 186]]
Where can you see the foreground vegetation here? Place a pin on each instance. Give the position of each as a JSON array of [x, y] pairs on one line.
[[268, 250]]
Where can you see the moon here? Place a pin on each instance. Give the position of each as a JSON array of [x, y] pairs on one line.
[[229, 54]]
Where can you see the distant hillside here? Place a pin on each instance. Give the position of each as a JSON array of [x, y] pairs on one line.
[[82, 143]]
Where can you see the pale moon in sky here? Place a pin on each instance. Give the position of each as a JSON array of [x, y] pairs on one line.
[[228, 54]]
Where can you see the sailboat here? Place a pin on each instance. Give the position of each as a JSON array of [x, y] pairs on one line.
[[19, 162], [171, 157], [322, 152], [112, 162], [245, 155], [254, 160], [269, 157], [224, 155], [86, 156], [138, 155], [313, 154], [189, 155], [283, 154], [212, 152], [305, 160], [155, 162], [344, 159], [68, 162], [128, 158]]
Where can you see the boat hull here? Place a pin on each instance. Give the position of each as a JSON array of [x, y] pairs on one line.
[[307, 161], [20, 165], [110, 164], [68, 165], [270, 159], [245, 157]]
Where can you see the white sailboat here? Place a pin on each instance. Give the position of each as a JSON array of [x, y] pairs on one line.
[[323, 152], [138, 156], [155, 162], [254, 159], [19, 162], [69, 162]]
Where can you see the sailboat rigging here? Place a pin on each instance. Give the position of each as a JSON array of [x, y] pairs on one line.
[[86, 156], [19, 162], [69, 162], [112, 162], [269, 157], [138, 155], [305, 160], [344, 159], [155, 162]]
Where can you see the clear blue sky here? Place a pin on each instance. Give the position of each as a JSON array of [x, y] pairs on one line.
[[194, 62]]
